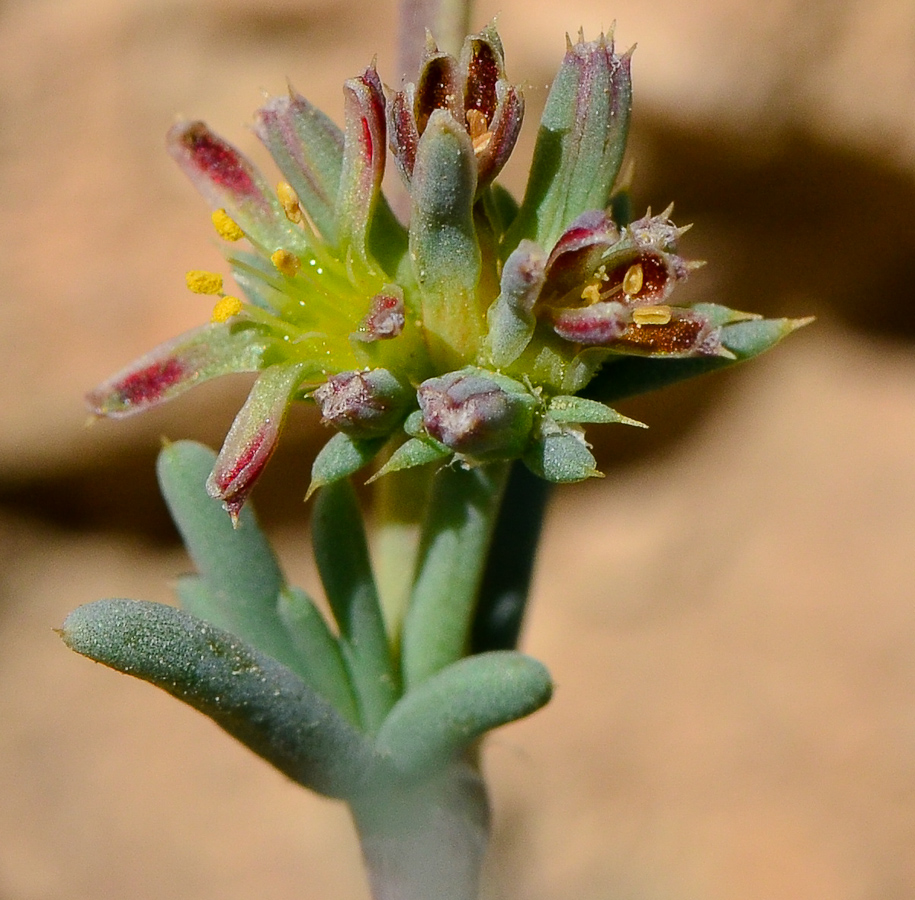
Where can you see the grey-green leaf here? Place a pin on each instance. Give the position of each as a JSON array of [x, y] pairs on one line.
[[341, 552], [237, 565], [320, 662], [257, 700], [441, 717]]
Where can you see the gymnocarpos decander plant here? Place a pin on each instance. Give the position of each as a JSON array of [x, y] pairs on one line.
[[456, 359]]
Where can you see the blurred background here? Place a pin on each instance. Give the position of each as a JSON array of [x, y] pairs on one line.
[[728, 616]]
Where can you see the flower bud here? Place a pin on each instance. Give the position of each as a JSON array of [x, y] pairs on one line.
[[363, 404], [478, 414], [474, 91], [581, 141]]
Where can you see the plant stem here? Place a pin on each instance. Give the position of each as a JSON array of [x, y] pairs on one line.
[[510, 564], [399, 505], [426, 841]]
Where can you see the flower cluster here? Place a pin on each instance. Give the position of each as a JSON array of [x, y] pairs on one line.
[[467, 334]]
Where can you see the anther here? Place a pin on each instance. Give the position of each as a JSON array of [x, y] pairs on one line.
[[201, 282], [226, 227], [651, 315], [633, 279], [289, 200], [287, 263], [225, 309], [591, 293]]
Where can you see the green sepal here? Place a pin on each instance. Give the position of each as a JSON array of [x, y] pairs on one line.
[[207, 352], [437, 720], [308, 148], [443, 240], [341, 552], [627, 376], [411, 453], [565, 409], [580, 143], [254, 698], [340, 457], [239, 572], [500, 206], [320, 663], [560, 455]]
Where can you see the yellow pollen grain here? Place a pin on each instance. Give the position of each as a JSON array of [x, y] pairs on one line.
[[289, 200], [287, 263], [202, 282], [591, 293], [651, 315], [225, 226], [225, 309], [633, 279]]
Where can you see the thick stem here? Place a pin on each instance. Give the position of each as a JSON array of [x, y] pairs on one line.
[[510, 565], [399, 505], [426, 841]]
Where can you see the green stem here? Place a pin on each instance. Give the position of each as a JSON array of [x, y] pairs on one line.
[[455, 541], [425, 841], [399, 505], [510, 565]]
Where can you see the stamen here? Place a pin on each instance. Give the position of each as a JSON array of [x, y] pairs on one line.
[[225, 226], [633, 279], [477, 128], [591, 293], [482, 142], [202, 282], [289, 200], [287, 263], [225, 309], [476, 123], [651, 315]]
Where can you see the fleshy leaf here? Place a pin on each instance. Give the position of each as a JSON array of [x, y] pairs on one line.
[[253, 435], [320, 663], [341, 552], [254, 698], [178, 365], [439, 719], [460, 516], [240, 576]]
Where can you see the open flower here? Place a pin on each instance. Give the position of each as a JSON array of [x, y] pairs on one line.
[[463, 336]]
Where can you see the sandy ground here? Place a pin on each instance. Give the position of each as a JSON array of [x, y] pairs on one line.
[[728, 616]]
